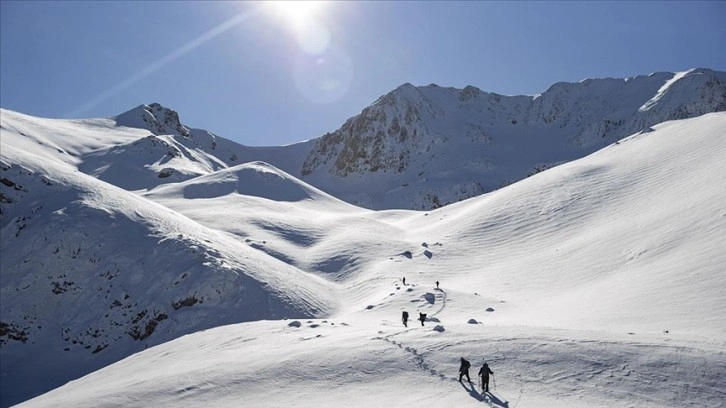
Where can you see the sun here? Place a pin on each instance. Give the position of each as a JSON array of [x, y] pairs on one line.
[[306, 22], [296, 12]]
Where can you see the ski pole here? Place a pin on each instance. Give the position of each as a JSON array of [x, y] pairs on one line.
[[494, 382]]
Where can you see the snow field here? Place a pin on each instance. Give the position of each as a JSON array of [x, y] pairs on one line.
[[604, 277], [370, 362]]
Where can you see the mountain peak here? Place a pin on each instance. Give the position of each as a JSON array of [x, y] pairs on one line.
[[403, 92], [469, 92], [158, 119], [405, 87]]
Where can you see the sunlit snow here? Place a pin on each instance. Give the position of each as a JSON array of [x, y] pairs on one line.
[[599, 282]]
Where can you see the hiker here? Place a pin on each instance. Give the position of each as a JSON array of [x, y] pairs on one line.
[[464, 369], [422, 317], [437, 284], [404, 281], [484, 374], [404, 317]]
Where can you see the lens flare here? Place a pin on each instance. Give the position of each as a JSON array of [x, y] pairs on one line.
[[322, 73], [324, 78], [313, 37], [163, 61]]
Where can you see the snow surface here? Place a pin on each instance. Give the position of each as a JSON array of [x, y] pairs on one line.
[[599, 282]]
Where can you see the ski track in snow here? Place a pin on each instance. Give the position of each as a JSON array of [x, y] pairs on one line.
[[414, 355], [422, 365]]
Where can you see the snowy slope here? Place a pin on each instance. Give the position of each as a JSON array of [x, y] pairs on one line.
[[134, 152], [196, 149], [596, 229], [92, 273], [597, 283]]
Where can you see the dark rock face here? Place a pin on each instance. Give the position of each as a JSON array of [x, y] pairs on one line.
[[162, 121], [156, 118]]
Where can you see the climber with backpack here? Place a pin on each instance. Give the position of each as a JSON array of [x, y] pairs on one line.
[[464, 369]]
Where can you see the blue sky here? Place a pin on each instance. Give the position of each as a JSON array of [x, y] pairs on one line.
[[247, 72]]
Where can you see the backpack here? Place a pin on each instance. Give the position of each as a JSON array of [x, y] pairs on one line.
[[423, 316]]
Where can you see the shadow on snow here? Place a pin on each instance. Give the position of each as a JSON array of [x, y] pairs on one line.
[[487, 397]]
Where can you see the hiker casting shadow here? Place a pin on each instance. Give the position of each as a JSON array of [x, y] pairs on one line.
[[484, 374], [464, 369]]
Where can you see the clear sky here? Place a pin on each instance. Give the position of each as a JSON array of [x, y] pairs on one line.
[[272, 74]]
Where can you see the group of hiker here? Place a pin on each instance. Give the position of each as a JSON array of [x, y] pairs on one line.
[[421, 316], [404, 282], [404, 318], [484, 372]]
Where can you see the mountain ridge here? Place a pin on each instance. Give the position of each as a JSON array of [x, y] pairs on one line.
[[417, 134], [418, 147]]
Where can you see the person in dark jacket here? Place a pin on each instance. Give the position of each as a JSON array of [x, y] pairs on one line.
[[464, 369], [422, 317], [484, 374], [404, 317]]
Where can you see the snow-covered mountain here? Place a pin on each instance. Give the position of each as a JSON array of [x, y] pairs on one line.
[[424, 147], [596, 283], [170, 151], [414, 148], [125, 233]]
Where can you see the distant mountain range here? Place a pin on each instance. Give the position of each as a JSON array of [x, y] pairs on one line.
[[425, 147]]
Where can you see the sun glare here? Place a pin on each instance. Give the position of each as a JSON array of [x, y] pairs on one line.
[[297, 12], [322, 71], [305, 20]]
